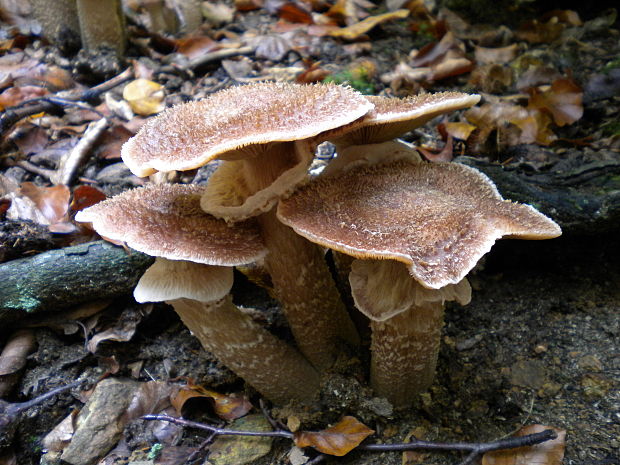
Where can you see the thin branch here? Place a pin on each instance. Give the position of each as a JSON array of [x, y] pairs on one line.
[[475, 449], [70, 163], [219, 431], [45, 104]]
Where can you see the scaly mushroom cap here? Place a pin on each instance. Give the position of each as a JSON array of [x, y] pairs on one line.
[[188, 136], [439, 218], [167, 280], [382, 289], [165, 220], [393, 117]]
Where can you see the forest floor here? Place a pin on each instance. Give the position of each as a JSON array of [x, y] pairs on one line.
[[538, 344]]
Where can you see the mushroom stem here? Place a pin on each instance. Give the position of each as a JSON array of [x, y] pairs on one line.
[[303, 284], [404, 353], [248, 350], [301, 278]]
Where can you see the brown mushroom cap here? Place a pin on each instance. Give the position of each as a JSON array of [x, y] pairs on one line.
[[179, 279], [188, 136], [439, 218], [393, 117], [165, 220]]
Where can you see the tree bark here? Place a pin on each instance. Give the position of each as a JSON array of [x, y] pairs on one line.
[[65, 277], [583, 199]]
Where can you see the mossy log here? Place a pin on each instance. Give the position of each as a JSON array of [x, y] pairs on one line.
[[62, 278], [584, 199]]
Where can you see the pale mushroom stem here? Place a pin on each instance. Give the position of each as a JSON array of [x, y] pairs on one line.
[[303, 284], [247, 348], [404, 353], [302, 281]]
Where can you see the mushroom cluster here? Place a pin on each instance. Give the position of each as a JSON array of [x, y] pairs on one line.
[[413, 229]]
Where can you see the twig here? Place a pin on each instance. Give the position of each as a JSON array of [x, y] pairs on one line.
[[208, 57], [219, 431], [44, 172], [475, 449], [44, 104], [72, 160], [10, 411]]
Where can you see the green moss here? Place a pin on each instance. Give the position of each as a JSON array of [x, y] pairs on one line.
[[155, 451], [612, 64], [357, 79]]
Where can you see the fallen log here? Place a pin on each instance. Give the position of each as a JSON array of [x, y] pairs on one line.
[[61, 278], [583, 199]]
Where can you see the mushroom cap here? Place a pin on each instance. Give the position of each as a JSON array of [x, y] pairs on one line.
[[438, 218], [237, 191], [167, 280], [382, 289], [165, 220], [393, 117], [189, 135]]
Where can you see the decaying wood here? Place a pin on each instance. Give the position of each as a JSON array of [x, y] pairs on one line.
[[61, 278], [582, 200]]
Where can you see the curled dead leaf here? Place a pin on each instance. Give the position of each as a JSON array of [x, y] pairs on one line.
[[564, 101], [338, 440], [145, 97], [546, 453], [226, 407]]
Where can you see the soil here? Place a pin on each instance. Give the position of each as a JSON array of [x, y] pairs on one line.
[[538, 344]]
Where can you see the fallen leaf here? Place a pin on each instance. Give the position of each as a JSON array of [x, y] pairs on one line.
[[60, 436], [122, 329], [500, 55], [563, 101], [145, 97], [536, 32], [459, 130], [356, 30], [294, 13], [337, 440], [196, 46], [15, 95], [546, 453], [248, 5], [226, 407], [491, 79], [86, 196], [13, 358], [52, 202], [443, 155]]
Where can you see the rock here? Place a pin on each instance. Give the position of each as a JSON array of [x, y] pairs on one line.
[[100, 424], [528, 373], [239, 450]]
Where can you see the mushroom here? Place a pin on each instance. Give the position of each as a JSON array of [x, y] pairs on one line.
[[193, 272], [265, 134], [436, 219], [373, 138]]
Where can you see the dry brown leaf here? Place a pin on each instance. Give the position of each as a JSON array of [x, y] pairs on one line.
[[491, 79], [196, 46], [16, 95], [122, 329], [337, 440], [52, 202], [150, 397], [546, 453], [500, 55], [536, 32], [356, 30], [145, 97], [86, 196], [294, 13], [248, 5], [13, 358], [226, 407], [563, 101], [60, 436], [443, 155], [459, 130]]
